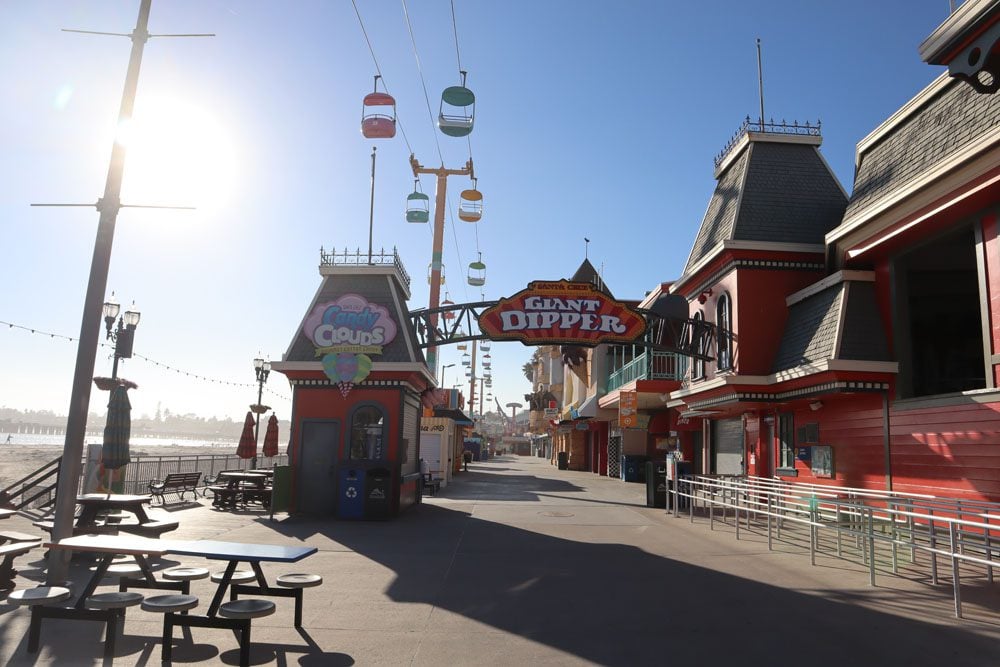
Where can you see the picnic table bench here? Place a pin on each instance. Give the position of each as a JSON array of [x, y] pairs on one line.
[[178, 482], [17, 547]]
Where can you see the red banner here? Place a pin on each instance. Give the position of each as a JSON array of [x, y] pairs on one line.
[[560, 313]]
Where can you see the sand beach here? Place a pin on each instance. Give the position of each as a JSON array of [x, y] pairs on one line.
[[19, 460]]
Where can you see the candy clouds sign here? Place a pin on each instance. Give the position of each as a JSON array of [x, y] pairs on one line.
[[562, 312], [345, 332]]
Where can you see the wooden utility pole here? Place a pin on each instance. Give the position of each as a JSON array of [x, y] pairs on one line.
[[90, 328], [440, 204]]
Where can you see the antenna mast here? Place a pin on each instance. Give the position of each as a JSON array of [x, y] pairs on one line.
[[760, 85]]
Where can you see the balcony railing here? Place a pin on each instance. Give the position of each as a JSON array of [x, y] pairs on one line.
[[361, 258], [649, 366]]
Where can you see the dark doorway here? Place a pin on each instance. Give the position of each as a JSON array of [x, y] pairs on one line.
[[940, 337], [317, 489]]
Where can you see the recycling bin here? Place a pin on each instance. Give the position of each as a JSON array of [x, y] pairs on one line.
[[633, 469], [378, 493], [656, 484], [351, 493], [562, 459]]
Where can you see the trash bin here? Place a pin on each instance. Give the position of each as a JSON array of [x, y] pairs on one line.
[[378, 493], [562, 458], [656, 484], [633, 469], [351, 493]]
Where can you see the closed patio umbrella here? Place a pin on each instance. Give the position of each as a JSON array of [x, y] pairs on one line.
[[117, 431], [248, 443], [271, 437]]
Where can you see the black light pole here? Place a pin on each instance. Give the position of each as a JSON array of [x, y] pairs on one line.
[[124, 334], [262, 369]]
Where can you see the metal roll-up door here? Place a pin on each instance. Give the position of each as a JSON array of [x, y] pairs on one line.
[[727, 446]]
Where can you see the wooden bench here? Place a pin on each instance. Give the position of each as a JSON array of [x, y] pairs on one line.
[[178, 482], [9, 553]]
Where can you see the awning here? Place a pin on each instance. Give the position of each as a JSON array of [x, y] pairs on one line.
[[456, 416], [589, 408]]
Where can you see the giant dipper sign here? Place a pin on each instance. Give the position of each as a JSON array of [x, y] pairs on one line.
[[561, 312]]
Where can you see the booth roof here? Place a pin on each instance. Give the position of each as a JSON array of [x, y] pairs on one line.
[[457, 416]]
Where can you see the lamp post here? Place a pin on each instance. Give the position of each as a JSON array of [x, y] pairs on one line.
[[123, 334], [262, 369]]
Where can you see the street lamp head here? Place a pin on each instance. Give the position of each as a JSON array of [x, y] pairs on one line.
[[131, 316], [262, 369], [111, 308]]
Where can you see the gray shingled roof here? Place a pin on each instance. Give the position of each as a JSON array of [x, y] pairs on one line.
[[376, 289], [863, 337], [811, 329], [952, 119], [588, 274], [774, 191]]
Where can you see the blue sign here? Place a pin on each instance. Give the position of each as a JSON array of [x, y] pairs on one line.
[[804, 453]]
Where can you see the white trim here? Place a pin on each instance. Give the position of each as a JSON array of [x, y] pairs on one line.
[[735, 244], [651, 298], [404, 327], [734, 152], [945, 35], [946, 400], [873, 242], [384, 366], [831, 280], [761, 246], [838, 335], [790, 374], [702, 263], [901, 193], [302, 323], [903, 113]]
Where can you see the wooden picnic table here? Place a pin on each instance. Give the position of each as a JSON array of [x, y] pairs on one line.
[[241, 487]]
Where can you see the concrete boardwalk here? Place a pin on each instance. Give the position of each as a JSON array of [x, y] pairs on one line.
[[517, 563]]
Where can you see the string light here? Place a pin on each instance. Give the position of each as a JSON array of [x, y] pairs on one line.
[[160, 364]]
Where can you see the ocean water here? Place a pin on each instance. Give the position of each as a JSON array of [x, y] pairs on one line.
[[34, 439]]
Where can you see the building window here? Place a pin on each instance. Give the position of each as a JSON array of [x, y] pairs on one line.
[[786, 440], [698, 367], [724, 322], [939, 313], [367, 433]]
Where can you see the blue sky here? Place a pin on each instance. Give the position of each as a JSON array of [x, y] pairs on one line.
[[592, 119]]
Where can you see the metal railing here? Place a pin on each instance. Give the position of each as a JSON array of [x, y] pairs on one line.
[[879, 528], [144, 469], [34, 490], [362, 258], [650, 365]]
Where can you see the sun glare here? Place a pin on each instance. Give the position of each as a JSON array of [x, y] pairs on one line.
[[178, 154]]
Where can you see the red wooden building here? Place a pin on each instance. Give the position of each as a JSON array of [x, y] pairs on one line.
[[357, 377], [858, 337]]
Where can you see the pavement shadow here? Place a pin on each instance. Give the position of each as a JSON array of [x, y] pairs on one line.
[[616, 604]]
